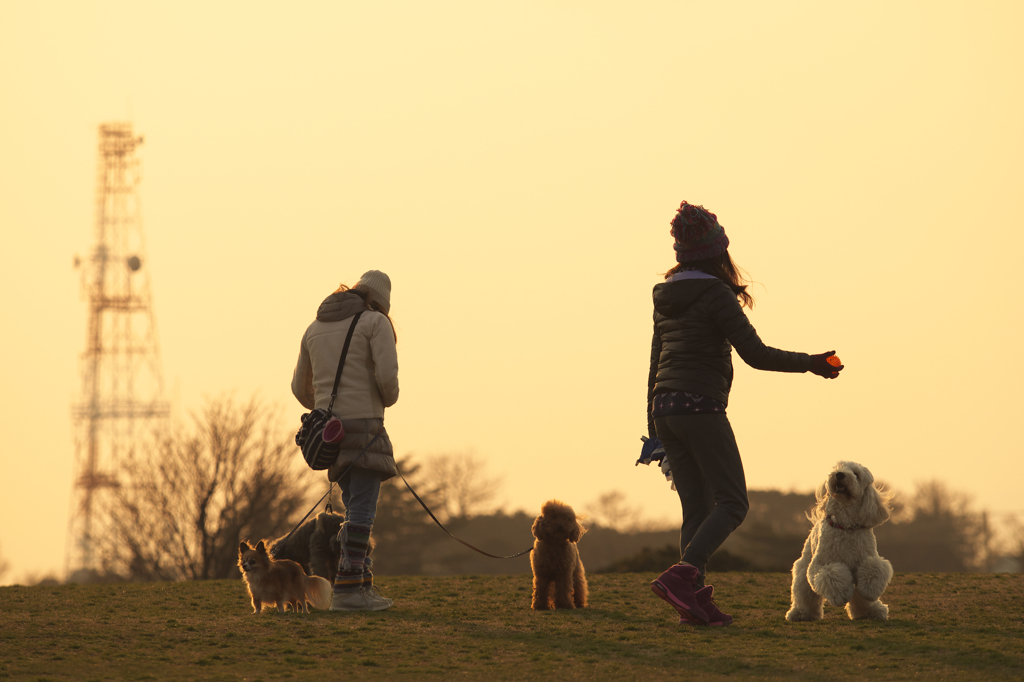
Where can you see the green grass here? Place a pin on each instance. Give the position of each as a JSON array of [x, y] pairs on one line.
[[948, 626]]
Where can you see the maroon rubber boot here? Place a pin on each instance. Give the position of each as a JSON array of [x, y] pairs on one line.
[[707, 602], [676, 587]]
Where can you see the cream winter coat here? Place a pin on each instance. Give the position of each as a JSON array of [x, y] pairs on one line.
[[369, 381]]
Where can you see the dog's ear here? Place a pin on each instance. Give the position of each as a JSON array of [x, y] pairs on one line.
[[820, 498], [866, 478], [261, 548], [537, 526], [243, 547], [577, 532], [874, 511]]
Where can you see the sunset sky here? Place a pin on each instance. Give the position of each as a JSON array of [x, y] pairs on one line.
[[513, 167]]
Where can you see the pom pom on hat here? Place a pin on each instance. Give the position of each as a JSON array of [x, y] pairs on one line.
[[378, 285], [697, 233]]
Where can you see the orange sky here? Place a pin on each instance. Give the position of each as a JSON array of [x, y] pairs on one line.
[[513, 167]]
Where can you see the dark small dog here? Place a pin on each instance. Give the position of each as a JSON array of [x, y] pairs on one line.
[[314, 545], [559, 580]]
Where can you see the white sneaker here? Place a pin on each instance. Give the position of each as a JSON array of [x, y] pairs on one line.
[[363, 599], [375, 595]]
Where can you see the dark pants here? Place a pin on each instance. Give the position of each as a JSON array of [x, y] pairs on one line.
[[708, 475]]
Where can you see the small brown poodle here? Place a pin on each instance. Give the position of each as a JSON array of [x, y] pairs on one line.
[[556, 560]]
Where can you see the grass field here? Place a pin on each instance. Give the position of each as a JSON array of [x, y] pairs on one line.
[[943, 626]]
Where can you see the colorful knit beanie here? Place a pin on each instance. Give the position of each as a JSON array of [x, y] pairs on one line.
[[697, 233], [378, 285]]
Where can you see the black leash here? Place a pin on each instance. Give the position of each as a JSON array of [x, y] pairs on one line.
[[281, 544], [329, 489], [475, 549], [422, 504]]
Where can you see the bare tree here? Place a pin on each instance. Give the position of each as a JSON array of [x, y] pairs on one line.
[[183, 506], [459, 486], [935, 529], [611, 511], [1013, 543]]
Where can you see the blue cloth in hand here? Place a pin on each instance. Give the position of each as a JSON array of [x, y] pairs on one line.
[[651, 451]]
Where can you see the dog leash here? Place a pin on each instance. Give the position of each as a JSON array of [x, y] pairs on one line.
[[281, 544], [327, 495], [475, 549], [418, 499]]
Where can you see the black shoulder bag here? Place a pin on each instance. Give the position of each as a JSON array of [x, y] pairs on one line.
[[320, 454]]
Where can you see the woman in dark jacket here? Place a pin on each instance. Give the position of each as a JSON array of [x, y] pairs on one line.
[[698, 320]]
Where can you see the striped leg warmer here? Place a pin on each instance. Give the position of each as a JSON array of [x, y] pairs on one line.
[[353, 568], [367, 573]]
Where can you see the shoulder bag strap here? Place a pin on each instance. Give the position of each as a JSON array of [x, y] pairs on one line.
[[341, 363]]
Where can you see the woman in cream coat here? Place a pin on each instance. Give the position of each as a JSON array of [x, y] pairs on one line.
[[369, 383]]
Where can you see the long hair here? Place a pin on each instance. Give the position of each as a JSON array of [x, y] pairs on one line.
[[370, 303], [722, 267]]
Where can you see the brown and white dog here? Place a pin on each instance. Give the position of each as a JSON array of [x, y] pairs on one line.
[[559, 580], [280, 582]]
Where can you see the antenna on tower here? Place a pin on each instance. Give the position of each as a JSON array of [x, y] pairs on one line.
[[122, 390]]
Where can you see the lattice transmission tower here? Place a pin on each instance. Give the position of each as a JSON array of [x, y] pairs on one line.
[[122, 390]]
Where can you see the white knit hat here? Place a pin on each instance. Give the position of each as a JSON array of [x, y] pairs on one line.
[[378, 285]]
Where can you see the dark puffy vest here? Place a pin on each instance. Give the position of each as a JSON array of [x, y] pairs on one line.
[[698, 322]]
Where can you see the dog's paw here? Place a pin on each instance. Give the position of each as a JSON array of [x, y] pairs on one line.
[[873, 577], [859, 609], [871, 591], [834, 582], [839, 598], [796, 615], [878, 611]]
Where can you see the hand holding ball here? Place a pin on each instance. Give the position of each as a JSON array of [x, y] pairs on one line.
[[826, 365]]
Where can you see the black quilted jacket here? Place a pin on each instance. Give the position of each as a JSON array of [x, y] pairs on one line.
[[697, 323]]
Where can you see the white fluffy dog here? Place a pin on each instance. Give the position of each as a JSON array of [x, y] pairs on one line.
[[840, 560]]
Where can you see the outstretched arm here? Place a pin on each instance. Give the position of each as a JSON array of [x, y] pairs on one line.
[[741, 334]]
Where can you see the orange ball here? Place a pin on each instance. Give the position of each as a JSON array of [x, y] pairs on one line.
[[833, 360]]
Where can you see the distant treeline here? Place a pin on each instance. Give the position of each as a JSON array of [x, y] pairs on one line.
[[932, 531], [184, 501]]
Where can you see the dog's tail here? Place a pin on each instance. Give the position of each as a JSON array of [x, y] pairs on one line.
[[319, 592]]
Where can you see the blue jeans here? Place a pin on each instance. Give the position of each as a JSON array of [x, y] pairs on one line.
[[708, 474], [360, 489]]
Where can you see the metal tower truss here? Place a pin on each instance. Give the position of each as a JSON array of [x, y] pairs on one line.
[[122, 391]]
